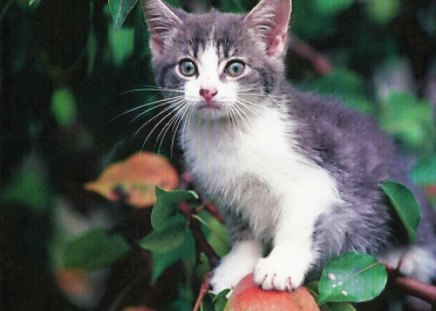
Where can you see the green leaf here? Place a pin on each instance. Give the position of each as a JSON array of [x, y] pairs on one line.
[[120, 9], [95, 249], [220, 300], [406, 117], [166, 207], [121, 42], [167, 239], [383, 11], [236, 6], [338, 306], [406, 206], [347, 86], [352, 278], [141, 37], [63, 107], [29, 185], [163, 260], [331, 7], [424, 172], [216, 233]]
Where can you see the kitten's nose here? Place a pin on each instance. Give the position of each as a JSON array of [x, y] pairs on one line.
[[208, 94]]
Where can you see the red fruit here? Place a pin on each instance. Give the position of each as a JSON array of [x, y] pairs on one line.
[[247, 296]]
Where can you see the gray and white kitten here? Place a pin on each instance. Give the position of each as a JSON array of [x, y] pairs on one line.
[[296, 176]]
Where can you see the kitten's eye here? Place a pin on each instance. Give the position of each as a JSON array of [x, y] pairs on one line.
[[188, 68], [235, 68]]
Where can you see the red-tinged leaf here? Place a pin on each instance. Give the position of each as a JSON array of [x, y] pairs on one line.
[[431, 191], [136, 178], [73, 281]]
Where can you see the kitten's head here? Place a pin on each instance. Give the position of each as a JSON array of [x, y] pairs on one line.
[[218, 64]]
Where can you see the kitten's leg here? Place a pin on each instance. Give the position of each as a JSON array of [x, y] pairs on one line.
[[236, 264], [293, 254], [413, 260]]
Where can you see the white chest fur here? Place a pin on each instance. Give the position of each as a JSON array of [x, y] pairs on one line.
[[257, 171]]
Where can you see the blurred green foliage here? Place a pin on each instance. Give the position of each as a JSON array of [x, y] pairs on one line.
[[64, 68]]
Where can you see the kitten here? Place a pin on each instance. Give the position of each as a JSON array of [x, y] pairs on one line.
[[296, 176]]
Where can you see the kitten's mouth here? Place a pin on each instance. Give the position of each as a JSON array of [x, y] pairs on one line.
[[209, 106]]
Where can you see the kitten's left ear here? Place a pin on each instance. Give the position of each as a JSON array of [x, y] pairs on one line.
[[162, 23], [269, 20]]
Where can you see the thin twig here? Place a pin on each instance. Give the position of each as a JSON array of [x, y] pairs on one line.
[[200, 241], [214, 211], [413, 287], [319, 62], [204, 289]]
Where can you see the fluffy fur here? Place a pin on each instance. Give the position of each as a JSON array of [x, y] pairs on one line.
[[296, 176]]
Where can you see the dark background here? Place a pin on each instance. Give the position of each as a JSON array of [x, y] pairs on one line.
[[64, 69]]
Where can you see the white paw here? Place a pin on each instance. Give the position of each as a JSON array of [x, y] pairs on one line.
[[237, 264], [280, 273], [226, 277]]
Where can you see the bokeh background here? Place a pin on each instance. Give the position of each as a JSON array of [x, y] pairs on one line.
[[66, 69]]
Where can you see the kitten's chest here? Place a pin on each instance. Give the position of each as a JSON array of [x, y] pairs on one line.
[[241, 165]]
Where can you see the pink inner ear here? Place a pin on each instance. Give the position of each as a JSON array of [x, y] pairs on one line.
[[275, 14], [277, 45], [155, 45]]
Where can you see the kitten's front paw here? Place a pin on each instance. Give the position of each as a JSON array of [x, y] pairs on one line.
[[235, 265], [278, 273], [225, 277]]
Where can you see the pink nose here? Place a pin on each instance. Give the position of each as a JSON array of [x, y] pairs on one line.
[[208, 94]]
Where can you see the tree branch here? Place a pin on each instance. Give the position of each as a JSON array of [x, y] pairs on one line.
[[200, 240], [412, 287], [204, 288], [319, 62]]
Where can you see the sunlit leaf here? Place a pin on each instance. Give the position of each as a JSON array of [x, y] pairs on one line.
[[352, 278], [383, 11], [63, 107], [120, 9], [95, 249], [121, 42], [406, 117], [136, 178], [406, 206]]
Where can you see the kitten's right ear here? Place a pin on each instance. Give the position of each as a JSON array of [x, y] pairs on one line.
[[270, 20], [162, 23]]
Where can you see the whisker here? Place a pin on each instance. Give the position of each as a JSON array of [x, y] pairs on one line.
[[168, 102], [160, 101], [157, 125], [152, 89], [169, 124], [153, 118], [180, 120]]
